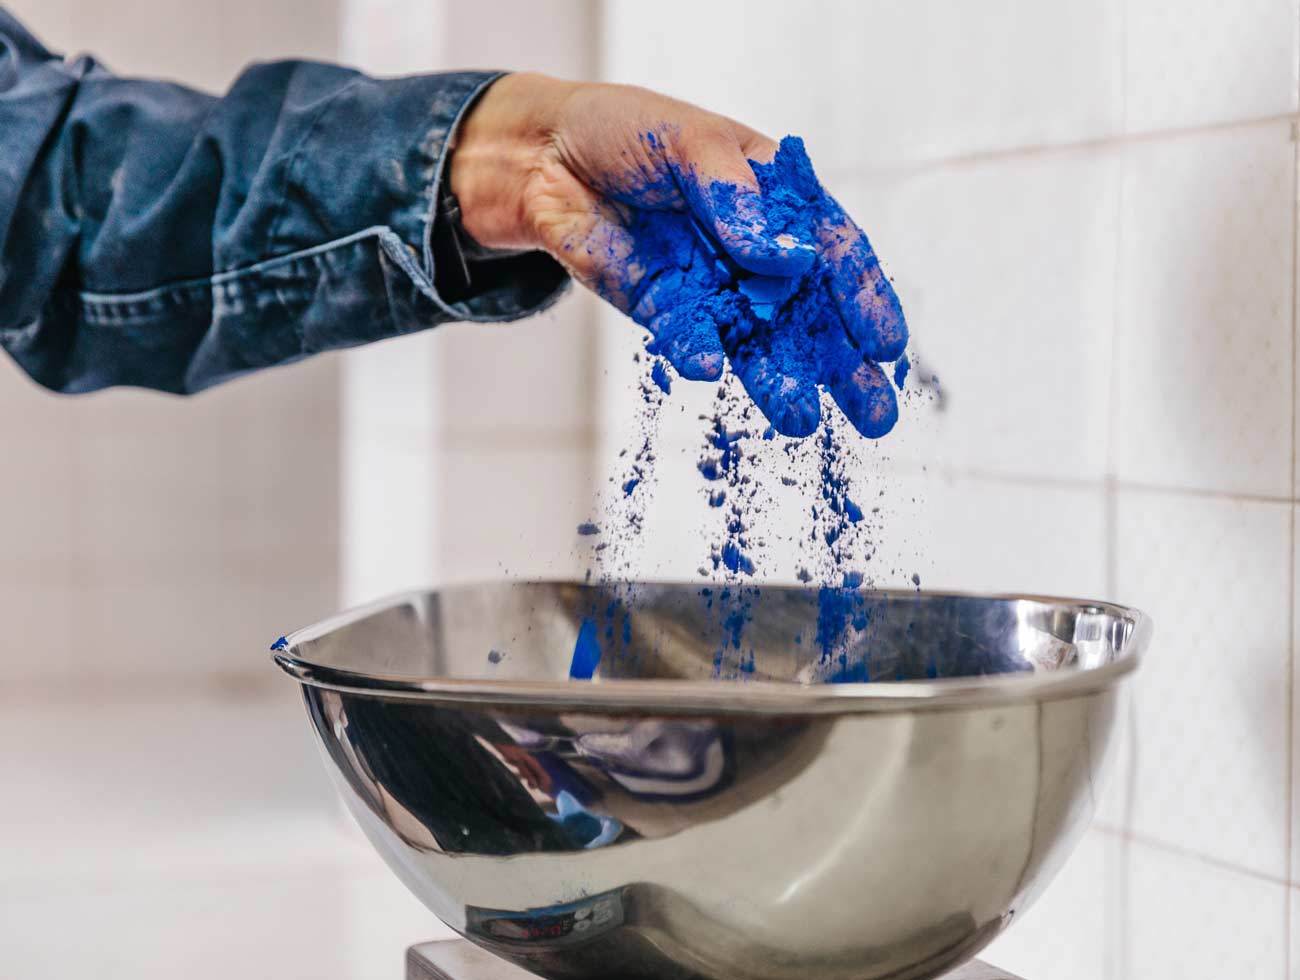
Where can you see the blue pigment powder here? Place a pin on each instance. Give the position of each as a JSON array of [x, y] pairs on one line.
[[784, 335], [819, 316], [586, 652]]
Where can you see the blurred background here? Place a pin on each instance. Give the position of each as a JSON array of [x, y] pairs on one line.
[[1089, 211]]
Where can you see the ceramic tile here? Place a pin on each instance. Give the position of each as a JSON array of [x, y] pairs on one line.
[[1204, 347], [38, 617], [280, 505], [188, 807], [389, 422], [123, 784], [1064, 935], [246, 473], [297, 402], [512, 513], [880, 83], [1293, 915], [1118, 795], [1294, 870], [41, 497], [994, 536], [151, 498], [215, 927], [520, 382], [389, 390], [233, 34], [202, 622], [1200, 62], [389, 523], [557, 38], [1211, 717], [1188, 918], [623, 415], [399, 36], [1006, 271]]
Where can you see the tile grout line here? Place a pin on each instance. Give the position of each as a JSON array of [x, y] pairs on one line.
[[1252, 498], [1128, 837], [1039, 150], [1115, 928], [1086, 483], [1289, 901]]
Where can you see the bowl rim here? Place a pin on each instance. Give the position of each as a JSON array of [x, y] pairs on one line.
[[665, 698]]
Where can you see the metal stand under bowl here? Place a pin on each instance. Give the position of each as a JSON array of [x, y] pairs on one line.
[[457, 959]]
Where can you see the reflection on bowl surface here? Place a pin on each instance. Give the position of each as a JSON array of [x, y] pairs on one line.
[[746, 783]]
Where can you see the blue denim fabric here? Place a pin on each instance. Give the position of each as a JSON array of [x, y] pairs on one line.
[[158, 237]]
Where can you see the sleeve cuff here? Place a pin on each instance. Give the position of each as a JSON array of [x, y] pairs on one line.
[[502, 285], [390, 141]]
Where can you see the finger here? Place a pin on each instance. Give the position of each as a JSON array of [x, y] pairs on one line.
[[684, 332], [790, 402], [723, 191], [863, 393], [867, 302], [688, 338], [600, 251]]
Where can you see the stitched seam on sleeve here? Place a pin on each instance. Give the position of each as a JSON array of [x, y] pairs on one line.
[[122, 307], [295, 157]]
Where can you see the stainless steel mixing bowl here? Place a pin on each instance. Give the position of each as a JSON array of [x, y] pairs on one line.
[[711, 803]]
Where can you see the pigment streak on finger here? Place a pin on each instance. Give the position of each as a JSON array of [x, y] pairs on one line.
[[790, 403], [736, 216], [867, 302], [866, 398], [689, 339], [601, 254]]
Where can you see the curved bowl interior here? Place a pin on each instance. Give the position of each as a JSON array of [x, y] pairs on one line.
[[699, 807]]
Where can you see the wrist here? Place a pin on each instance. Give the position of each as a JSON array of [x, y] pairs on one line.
[[503, 144]]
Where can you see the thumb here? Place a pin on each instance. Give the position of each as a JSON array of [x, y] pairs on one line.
[[724, 194]]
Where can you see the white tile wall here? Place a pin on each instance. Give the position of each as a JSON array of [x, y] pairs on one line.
[[1188, 918], [156, 37], [39, 516], [435, 424], [1213, 698], [1197, 62], [879, 83], [389, 469], [527, 381], [998, 536], [512, 511], [193, 837], [1006, 270], [159, 815], [1073, 916], [1293, 814], [297, 924], [131, 519], [1205, 331]]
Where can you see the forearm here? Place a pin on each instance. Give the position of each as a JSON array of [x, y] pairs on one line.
[[155, 236]]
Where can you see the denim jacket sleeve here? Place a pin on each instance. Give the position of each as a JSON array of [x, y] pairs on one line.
[[157, 237]]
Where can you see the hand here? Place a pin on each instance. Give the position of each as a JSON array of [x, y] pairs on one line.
[[717, 240]]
